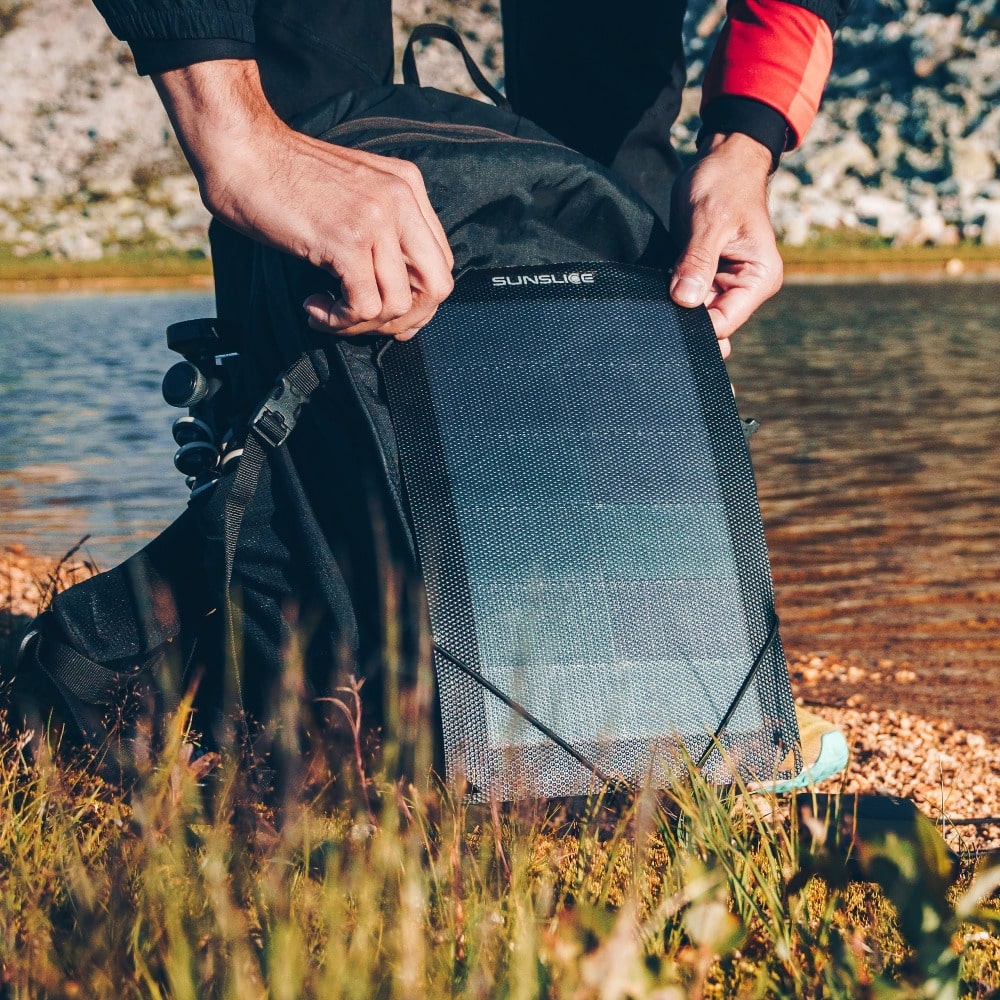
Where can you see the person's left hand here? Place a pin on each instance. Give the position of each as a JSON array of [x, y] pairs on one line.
[[730, 261]]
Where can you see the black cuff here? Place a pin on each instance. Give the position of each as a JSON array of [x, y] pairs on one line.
[[750, 117], [161, 55]]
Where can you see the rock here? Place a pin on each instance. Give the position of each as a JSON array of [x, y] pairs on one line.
[[973, 162], [129, 228], [76, 246], [886, 215], [795, 230], [180, 194], [927, 230], [109, 185], [849, 156], [935, 41], [989, 233], [825, 213]]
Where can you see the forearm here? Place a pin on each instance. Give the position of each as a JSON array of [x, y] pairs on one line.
[[219, 112], [760, 95], [364, 218]]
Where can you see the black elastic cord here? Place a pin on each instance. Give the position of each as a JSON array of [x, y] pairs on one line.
[[531, 719], [744, 687], [545, 730]]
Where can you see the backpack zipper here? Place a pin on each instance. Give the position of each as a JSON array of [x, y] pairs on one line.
[[407, 124], [432, 132], [398, 137]]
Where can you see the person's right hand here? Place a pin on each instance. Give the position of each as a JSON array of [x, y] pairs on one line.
[[364, 218], [730, 262]]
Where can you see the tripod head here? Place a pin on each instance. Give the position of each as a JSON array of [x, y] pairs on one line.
[[203, 384]]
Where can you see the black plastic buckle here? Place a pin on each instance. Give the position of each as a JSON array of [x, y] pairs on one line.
[[276, 417]]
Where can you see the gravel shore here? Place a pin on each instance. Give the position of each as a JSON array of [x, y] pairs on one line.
[[951, 773]]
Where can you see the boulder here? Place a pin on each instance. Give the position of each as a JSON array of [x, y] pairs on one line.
[[888, 216], [989, 232], [973, 162]]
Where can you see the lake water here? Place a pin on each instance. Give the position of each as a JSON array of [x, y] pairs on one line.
[[878, 467], [85, 443], [878, 461]]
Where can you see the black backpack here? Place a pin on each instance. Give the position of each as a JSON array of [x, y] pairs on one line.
[[264, 523]]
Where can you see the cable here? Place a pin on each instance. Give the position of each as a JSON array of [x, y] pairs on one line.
[[529, 718]]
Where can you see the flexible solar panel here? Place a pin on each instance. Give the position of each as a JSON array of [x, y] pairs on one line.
[[586, 518]]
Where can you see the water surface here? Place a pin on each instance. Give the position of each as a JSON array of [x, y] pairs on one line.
[[85, 443], [878, 467], [878, 462]]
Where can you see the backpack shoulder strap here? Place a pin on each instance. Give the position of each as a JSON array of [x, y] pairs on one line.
[[268, 428]]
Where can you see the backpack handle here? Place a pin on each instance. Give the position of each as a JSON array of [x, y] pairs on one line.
[[441, 32]]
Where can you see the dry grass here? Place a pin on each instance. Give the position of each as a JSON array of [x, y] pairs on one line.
[[138, 270], [314, 870], [202, 880]]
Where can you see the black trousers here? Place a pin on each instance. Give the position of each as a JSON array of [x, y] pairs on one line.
[[604, 78]]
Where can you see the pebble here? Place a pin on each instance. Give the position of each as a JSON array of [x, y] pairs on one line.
[[951, 773], [25, 580]]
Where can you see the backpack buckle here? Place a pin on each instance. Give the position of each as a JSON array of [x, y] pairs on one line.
[[277, 415]]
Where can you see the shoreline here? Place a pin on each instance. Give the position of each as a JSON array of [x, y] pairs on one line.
[[124, 283], [953, 270], [949, 769], [803, 265]]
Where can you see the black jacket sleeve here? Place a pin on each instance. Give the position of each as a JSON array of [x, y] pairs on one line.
[[165, 34]]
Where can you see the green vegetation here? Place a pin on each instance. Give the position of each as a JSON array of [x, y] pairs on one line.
[[849, 248], [143, 268], [198, 884], [137, 268]]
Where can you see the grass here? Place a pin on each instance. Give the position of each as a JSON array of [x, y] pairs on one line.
[[850, 249], [311, 869], [135, 268], [337, 881]]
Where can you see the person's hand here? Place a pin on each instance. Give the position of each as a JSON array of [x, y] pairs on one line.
[[730, 262], [364, 218]]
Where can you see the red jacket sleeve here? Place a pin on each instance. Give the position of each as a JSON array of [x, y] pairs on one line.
[[775, 53]]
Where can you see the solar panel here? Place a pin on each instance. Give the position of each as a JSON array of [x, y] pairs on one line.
[[586, 519]]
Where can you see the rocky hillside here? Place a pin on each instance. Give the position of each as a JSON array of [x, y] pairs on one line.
[[907, 144]]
